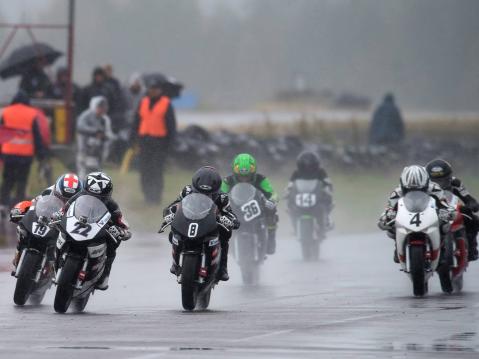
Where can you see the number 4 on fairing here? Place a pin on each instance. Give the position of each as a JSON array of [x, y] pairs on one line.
[[416, 219]]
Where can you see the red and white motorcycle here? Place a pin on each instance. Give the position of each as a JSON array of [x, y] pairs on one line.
[[454, 255], [418, 238]]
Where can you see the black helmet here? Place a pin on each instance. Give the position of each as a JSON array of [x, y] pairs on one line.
[[206, 180], [308, 162], [99, 184], [440, 172], [67, 185]]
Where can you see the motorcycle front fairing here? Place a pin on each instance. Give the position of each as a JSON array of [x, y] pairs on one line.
[[84, 235], [40, 237], [417, 218], [195, 231]]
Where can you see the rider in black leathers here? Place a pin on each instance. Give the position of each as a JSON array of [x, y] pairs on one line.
[[207, 181]]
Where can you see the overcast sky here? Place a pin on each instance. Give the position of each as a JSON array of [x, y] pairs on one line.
[[243, 51]]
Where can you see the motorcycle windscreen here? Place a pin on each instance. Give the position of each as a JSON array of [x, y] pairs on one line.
[[242, 193], [306, 186], [246, 201], [90, 209], [196, 217], [416, 201], [47, 205], [86, 217]]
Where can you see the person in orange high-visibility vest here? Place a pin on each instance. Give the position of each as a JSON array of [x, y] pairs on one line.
[[154, 130], [18, 150]]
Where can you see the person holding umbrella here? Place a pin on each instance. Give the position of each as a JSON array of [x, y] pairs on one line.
[[26, 141], [29, 62], [154, 130]]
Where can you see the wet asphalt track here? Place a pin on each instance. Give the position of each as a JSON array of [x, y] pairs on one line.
[[354, 303]]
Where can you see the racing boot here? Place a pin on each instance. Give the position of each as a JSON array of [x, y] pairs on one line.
[[271, 245], [102, 283], [15, 261], [396, 258], [175, 268], [223, 270], [473, 254]]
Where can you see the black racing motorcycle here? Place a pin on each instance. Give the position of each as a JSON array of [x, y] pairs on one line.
[[82, 248], [195, 236], [305, 203], [251, 240], [35, 268]]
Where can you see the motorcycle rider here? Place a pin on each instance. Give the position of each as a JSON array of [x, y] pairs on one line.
[[66, 186], [415, 178], [308, 167], [244, 170], [441, 173], [207, 181], [100, 185]]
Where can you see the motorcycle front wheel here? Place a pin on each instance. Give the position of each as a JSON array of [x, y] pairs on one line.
[[26, 277], [416, 256], [189, 285], [65, 287]]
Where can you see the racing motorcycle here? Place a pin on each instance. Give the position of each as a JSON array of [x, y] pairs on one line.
[[454, 255], [35, 271], [418, 238], [305, 202], [250, 242], [195, 235], [82, 248]]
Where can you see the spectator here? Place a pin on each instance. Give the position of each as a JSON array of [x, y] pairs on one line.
[[18, 152], [35, 82], [117, 104], [94, 136], [133, 94], [60, 86], [387, 126], [98, 87], [154, 130]]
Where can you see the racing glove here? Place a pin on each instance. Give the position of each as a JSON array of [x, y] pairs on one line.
[[446, 215], [119, 233], [226, 223], [168, 219], [16, 215], [270, 205]]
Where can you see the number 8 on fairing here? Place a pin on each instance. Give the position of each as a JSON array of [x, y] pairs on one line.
[[192, 230]]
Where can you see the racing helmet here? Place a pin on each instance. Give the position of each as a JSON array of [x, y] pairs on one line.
[[414, 178], [66, 186], [244, 167], [206, 180], [99, 184], [308, 162], [440, 172]]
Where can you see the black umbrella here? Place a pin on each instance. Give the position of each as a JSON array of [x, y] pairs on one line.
[[25, 56], [171, 86]]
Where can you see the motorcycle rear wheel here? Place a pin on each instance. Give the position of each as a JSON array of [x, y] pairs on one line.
[[445, 275], [65, 289], [416, 256], [189, 285], [26, 278]]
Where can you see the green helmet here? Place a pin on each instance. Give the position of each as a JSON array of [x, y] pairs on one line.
[[244, 167]]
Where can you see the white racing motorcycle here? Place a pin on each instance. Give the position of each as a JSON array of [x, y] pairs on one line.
[[418, 238]]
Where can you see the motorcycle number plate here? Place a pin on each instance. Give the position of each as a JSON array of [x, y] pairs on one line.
[[40, 230], [251, 210], [306, 200]]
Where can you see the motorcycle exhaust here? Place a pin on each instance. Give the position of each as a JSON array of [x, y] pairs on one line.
[[81, 277]]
